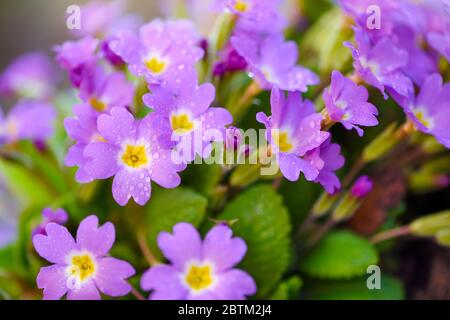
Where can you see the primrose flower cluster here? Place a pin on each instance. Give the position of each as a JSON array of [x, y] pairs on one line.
[[146, 90]]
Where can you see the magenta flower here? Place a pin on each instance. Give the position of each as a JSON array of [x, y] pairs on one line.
[[81, 267], [199, 270], [293, 130], [186, 107], [430, 110], [76, 56], [362, 186], [346, 102], [229, 61], [28, 120], [32, 76], [380, 64], [83, 129], [327, 159], [132, 153], [58, 216], [105, 91], [273, 62], [162, 48]]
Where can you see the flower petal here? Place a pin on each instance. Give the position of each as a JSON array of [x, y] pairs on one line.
[[165, 282], [88, 291], [94, 239], [111, 276], [224, 250], [56, 245], [53, 280]]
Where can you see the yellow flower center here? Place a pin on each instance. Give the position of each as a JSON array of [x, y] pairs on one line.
[[97, 104], [82, 267], [281, 139], [241, 6], [422, 118], [155, 65], [135, 156], [181, 123], [12, 128], [199, 277]]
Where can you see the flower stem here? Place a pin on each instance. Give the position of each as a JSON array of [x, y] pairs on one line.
[[390, 234], [321, 232], [354, 170], [145, 249], [137, 294]]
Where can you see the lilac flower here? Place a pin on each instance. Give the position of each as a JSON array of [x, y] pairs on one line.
[[28, 120], [58, 216], [194, 125], [109, 54], [30, 76], [132, 154], [440, 41], [163, 48], [273, 62], [380, 64], [83, 129], [199, 270], [362, 186], [98, 16], [254, 15], [229, 61], [327, 159], [430, 110], [76, 56], [105, 91], [346, 102], [81, 267], [293, 130]]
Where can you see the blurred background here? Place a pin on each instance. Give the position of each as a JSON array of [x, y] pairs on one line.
[[38, 25]]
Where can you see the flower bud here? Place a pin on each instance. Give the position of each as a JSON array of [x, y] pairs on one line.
[[324, 204], [362, 186], [431, 225]]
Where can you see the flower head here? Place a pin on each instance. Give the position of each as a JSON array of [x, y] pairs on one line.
[[199, 269], [327, 159], [30, 76], [293, 130], [105, 91], [161, 49], [58, 216], [273, 62], [131, 152], [230, 61], [346, 102], [81, 268], [28, 120], [186, 107], [76, 56], [430, 110], [83, 129], [362, 186], [380, 64], [254, 15]]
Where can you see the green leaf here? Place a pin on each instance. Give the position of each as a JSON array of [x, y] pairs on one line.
[[170, 206], [356, 289], [340, 255], [288, 289], [263, 222], [24, 185]]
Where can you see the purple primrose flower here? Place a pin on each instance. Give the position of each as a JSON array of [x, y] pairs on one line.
[[81, 268], [199, 269], [58, 216]]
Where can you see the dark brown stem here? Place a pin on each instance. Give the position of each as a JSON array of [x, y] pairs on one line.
[[321, 232], [355, 169]]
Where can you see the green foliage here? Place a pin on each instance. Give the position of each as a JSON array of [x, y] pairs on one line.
[[339, 255], [356, 289], [288, 289], [24, 184], [263, 222], [170, 206]]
